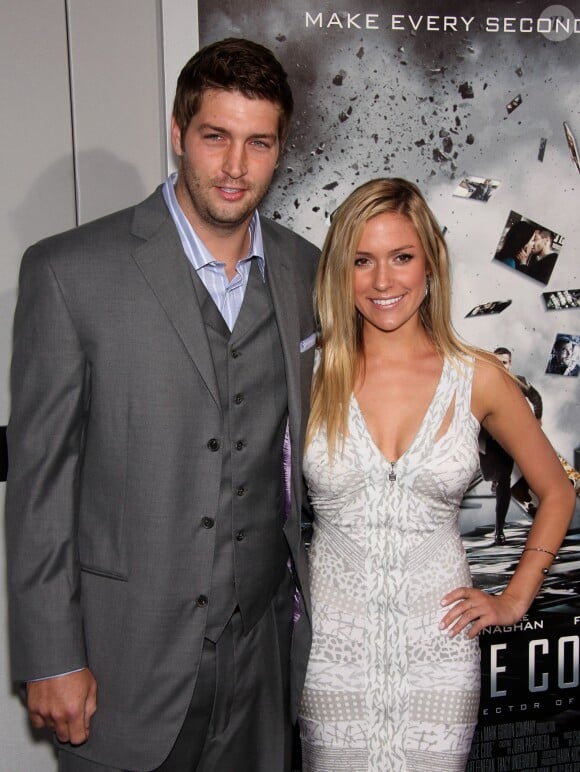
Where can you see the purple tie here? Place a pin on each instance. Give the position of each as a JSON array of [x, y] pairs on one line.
[[287, 467]]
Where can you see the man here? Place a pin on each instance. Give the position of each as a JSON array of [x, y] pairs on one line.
[[563, 357], [483, 191], [497, 465], [542, 259], [161, 371]]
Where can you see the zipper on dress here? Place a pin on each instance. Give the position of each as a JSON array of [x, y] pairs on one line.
[[392, 473]]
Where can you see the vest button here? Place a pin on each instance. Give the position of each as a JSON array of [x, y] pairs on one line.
[[240, 445], [240, 491], [207, 522], [213, 444], [201, 601], [240, 536], [238, 399]]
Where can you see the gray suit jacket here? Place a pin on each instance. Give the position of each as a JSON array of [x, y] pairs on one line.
[[114, 399]]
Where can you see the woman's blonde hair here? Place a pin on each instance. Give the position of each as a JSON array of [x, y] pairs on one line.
[[341, 323]]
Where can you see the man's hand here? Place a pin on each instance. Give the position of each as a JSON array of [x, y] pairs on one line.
[[64, 704]]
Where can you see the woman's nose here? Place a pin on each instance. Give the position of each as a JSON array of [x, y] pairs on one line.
[[382, 276]]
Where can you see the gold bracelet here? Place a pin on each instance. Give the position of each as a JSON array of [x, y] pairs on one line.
[[539, 549]]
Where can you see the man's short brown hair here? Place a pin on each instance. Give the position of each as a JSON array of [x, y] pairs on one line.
[[233, 64]]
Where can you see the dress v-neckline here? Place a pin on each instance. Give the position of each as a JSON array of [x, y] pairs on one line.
[[420, 430]]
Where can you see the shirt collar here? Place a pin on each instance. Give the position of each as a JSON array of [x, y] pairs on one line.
[[198, 254]]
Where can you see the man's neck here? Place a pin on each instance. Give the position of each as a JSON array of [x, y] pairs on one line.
[[227, 246]]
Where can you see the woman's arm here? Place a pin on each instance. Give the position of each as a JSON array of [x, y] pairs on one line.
[[501, 408]]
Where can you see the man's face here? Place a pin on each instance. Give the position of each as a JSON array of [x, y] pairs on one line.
[[541, 243], [227, 159], [506, 360], [566, 353]]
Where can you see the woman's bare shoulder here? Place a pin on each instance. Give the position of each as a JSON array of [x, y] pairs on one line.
[[492, 384]]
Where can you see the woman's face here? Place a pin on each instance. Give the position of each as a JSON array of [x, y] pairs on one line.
[[526, 251], [529, 246], [390, 273]]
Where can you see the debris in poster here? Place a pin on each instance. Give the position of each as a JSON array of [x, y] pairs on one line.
[[466, 90], [571, 140], [559, 300], [476, 188], [515, 102], [542, 149], [491, 307]]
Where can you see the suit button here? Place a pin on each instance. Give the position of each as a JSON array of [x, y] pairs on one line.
[[201, 601], [240, 491], [240, 445], [235, 354], [207, 522], [238, 399], [213, 444], [240, 536]]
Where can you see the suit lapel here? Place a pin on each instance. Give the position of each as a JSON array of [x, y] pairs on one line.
[[168, 272], [283, 291]]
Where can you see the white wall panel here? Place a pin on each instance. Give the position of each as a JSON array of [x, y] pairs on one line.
[[117, 98], [109, 108], [180, 42], [36, 199]]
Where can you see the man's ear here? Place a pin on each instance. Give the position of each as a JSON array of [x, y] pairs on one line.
[[176, 137]]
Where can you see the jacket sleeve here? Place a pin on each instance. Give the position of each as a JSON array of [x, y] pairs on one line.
[[45, 433]]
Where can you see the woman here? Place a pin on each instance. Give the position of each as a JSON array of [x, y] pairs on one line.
[[398, 400]]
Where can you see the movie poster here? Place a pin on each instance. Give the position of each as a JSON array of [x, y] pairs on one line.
[[479, 104]]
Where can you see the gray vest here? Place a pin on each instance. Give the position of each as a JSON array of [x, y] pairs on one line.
[[250, 548]]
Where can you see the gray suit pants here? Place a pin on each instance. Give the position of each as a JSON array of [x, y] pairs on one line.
[[238, 719]]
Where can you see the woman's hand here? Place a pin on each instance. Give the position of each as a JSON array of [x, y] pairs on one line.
[[523, 256], [478, 609]]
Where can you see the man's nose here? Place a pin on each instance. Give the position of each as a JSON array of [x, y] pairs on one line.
[[234, 164]]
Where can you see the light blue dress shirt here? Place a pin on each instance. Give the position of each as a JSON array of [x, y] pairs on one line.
[[227, 295]]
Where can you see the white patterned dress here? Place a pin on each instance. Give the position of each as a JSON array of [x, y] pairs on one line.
[[386, 689]]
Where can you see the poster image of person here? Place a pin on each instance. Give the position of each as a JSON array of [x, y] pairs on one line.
[[559, 300], [495, 463], [491, 307], [542, 257], [528, 500], [565, 356], [476, 188], [528, 247], [515, 244]]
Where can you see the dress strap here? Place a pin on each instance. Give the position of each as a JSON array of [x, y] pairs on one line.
[[463, 382]]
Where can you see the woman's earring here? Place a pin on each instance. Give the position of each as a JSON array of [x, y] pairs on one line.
[[427, 285]]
